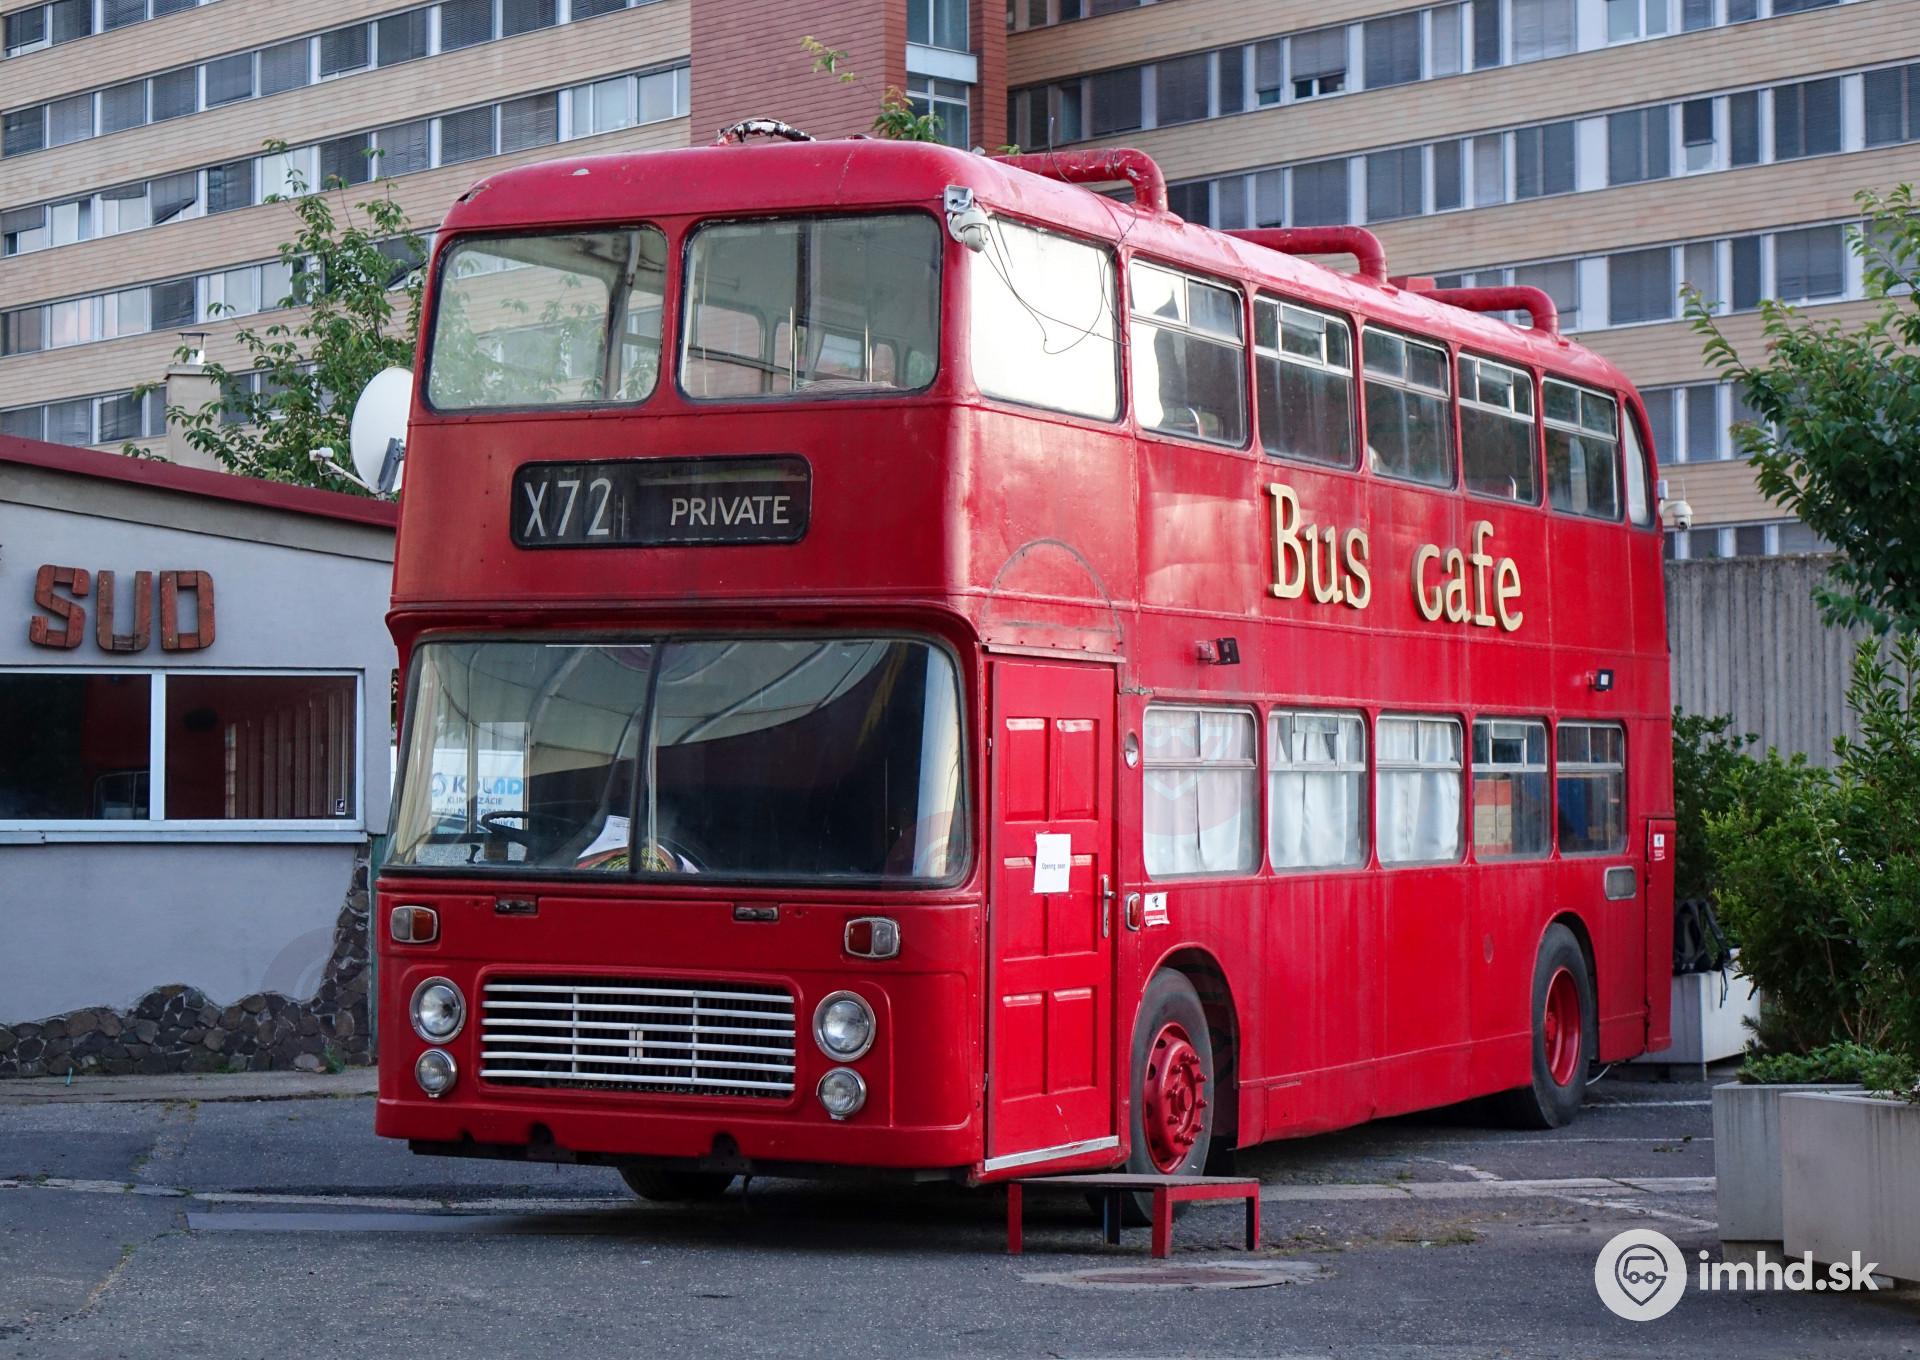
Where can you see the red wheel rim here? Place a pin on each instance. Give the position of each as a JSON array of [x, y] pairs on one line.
[[1171, 1099], [1560, 1025]]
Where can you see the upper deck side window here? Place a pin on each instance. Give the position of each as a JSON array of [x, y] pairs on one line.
[[1042, 329], [1639, 503], [806, 307], [1409, 425], [1583, 449], [1497, 430], [1188, 355], [1303, 376], [552, 319]]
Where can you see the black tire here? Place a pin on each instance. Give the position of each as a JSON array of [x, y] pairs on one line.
[[1169, 999], [1550, 1101], [675, 1187]]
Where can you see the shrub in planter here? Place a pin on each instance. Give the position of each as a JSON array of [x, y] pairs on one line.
[[1832, 1065]]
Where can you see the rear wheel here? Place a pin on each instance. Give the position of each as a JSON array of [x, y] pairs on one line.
[[1173, 1089], [1565, 1037], [675, 1187]]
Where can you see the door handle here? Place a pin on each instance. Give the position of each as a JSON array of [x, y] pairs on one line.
[[1133, 911], [1106, 905]]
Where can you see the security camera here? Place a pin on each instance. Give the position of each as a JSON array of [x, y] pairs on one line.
[[1682, 514], [967, 221]]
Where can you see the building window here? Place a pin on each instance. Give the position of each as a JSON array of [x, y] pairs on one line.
[[1635, 19], [1486, 34], [1189, 356], [1267, 85], [1392, 47], [1320, 194], [401, 37], [1640, 286], [1511, 807], [1806, 119], [938, 23], [404, 149], [1893, 105], [1116, 101], [1748, 288], [80, 749], [1696, 133], [1543, 160], [1559, 280], [1180, 89], [946, 100], [343, 50], [286, 67], [1316, 790], [1542, 28], [464, 23], [1396, 184], [343, 161], [174, 94], [1583, 450], [1303, 366], [229, 79], [1417, 794], [230, 186], [260, 747], [529, 122], [1810, 264], [123, 106], [1319, 62], [525, 16], [26, 30], [1497, 431], [1591, 788], [466, 136], [1639, 144], [1200, 792], [1409, 423], [1449, 192], [70, 120]]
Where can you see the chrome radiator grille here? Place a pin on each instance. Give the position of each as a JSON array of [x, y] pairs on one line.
[[638, 1034]]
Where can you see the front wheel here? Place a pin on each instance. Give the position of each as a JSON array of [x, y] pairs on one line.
[[675, 1187], [1565, 1036], [1173, 1091]]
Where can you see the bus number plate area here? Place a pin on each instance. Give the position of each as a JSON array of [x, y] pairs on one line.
[[661, 502]]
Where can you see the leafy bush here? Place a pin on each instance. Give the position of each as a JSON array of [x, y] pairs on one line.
[[1819, 874], [1708, 756], [1873, 1068]]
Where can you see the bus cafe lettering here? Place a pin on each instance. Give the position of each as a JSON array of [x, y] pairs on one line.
[[1451, 584], [62, 620]]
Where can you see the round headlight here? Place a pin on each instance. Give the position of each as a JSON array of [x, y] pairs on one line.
[[438, 1010], [435, 1071], [843, 1026], [842, 1092]]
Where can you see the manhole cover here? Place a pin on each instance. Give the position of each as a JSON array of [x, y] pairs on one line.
[[1203, 1275]]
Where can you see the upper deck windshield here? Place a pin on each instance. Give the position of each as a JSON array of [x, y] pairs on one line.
[[548, 320], [815, 306], [790, 759]]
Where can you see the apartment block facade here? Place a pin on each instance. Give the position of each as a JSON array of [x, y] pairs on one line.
[[1611, 152]]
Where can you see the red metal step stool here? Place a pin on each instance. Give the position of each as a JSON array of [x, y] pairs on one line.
[[1167, 1191]]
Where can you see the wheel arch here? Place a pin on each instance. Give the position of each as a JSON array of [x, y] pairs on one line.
[[1584, 938], [1209, 981]]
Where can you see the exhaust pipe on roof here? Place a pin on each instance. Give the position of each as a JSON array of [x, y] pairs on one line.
[[1120, 165], [1363, 245]]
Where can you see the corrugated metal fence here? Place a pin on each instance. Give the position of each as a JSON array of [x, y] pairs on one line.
[[1748, 641]]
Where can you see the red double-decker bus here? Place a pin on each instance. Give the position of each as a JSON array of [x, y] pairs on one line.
[[916, 665]]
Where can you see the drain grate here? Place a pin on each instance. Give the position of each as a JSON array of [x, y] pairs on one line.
[[1258, 1275]]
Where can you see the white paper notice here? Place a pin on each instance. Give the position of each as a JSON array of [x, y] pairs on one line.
[[1052, 859]]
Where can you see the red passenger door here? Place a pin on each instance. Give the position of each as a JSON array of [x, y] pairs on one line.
[[1050, 914]]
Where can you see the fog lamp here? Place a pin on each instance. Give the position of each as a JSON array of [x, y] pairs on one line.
[[842, 1092], [843, 1026], [438, 1010], [435, 1072]]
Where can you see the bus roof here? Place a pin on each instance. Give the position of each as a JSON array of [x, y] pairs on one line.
[[857, 173]]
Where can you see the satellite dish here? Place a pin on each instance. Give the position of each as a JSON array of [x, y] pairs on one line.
[[379, 429]]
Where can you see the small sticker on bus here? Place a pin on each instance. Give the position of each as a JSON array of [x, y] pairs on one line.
[[1156, 912]]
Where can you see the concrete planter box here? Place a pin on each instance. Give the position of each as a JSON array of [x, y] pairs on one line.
[[1850, 1179], [1708, 1027], [1746, 1158]]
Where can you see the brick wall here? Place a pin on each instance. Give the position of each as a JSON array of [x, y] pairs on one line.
[[748, 63]]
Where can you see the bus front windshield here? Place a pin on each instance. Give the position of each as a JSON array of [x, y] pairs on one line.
[[751, 758]]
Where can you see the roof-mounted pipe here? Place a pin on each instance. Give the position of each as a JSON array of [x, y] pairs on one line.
[[1358, 242], [1118, 165], [1513, 298]]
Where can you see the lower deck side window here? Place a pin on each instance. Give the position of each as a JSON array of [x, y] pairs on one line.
[[1510, 803], [1591, 791], [1418, 789], [1201, 795], [1316, 790]]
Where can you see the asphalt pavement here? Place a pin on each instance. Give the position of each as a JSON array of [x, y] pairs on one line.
[[259, 1217]]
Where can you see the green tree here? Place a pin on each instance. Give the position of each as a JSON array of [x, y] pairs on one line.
[[1837, 439], [1708, 758], [356, 293], [896, 121]]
